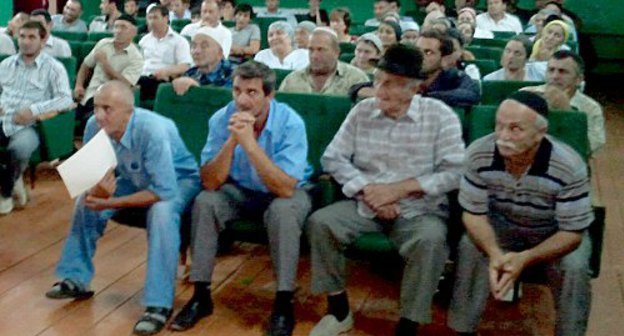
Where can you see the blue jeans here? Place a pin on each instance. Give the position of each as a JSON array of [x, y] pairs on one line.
[[163, 242], [20, 147]]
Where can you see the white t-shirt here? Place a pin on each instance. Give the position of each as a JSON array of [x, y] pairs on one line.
[[507, 23], [57, 47], [170, 50], [533, 72], [296, 60]]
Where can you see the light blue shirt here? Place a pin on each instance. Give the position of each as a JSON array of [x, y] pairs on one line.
[[59, 25], [283, 139], [151, 155]]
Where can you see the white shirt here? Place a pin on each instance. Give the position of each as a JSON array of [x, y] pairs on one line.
[[281, 13], [57, 47], [482, 34], [185, 16], [507, 23], [158, 53], [533, 72], [296, 60], [6, 45]]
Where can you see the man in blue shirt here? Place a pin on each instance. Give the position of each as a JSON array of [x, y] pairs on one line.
[[253, 165], [156, 172]]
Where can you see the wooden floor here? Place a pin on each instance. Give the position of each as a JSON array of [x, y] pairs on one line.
[[31, 240]]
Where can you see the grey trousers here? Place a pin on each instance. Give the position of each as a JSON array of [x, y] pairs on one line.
[[568, 279], [421, 242], [283, 219]]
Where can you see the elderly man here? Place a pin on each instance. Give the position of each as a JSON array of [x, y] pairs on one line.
[[381, 156], [111, 10], [272, 10], [111, 58], [497, 19], [210, 17], [325, 74], [54, 46], [211, 66], [32, 84], [70, 19], [155, 172], [564, 74], [526, 206], [451, 86], [384, 8], [514, 62], [166, 53], [253, 166]]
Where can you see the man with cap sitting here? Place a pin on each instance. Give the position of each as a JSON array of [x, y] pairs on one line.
[[324, 74], [210, 49], [526, 205], [396, 184], [112, 58]]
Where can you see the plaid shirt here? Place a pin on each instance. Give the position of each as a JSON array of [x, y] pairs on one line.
[[425, 144], [42, 86]]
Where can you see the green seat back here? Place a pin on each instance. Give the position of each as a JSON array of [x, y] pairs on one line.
[[494, 92], [359, 29], [191, 111], [280, 74], [568, 126], [229, 23], [347, 47], [96, 36], [3, 56], [71, 36], [70, 64], [486, 66], [264, 23], [495, 42], [492, 53], [85, 49], [346, 57], [56, 136], [504, 34], [75, 47], [177, 25]]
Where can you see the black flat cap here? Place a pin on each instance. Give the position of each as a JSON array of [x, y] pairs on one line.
[[402, 60]]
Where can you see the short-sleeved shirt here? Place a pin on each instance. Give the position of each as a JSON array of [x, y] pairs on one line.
[[243, 37], [296, 60], [533, 72], [185, 16], [6, 45], [283, 140], [100, 24], [507, 23], [552, 195], [220, 76], [170, 50], [57, 47], [60, 25], [151, 154], [129, 62], [339, 83]]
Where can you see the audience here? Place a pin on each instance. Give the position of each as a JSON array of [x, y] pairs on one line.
[[564, 75], [210, 17], [70, 19], [209, 50], [302, 34], [245, 35], [460, 55], [542, 228], [166, 53], [131, 8], [227, 8], [389, 33], [367, 51], [253, 166], [340, 22], [469, 15], [324, 73], [552, 38], [385, 8], [110, 10], [111, 58], [54, 46], [273, 11], [496, 19], [315, 14], [12, 28], [410, 32], [32, 85], [180, 10], [281, 54], [157, 176], [514, 61], [395, 185]]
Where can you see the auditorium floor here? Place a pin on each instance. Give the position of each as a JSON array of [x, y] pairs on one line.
[[31, 240]]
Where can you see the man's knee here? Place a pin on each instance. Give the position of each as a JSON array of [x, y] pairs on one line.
[[575, 263], [318, 223], [207, 199]]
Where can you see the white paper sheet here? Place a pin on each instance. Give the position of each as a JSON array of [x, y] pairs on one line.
[[87, 167]]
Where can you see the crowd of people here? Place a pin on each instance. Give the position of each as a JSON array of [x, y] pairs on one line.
[[525, 195]]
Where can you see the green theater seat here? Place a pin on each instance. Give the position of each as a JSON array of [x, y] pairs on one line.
[[494, 92], [71, 36], [96, 36], [280, 74], [485, 66], [70, 64], [491, 53]]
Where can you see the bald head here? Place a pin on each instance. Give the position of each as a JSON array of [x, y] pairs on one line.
[[113, 105], [119, 91]]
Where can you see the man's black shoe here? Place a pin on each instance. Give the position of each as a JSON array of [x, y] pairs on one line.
[[191, 313], [281, 325]]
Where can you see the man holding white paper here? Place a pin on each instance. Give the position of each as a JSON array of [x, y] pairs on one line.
[[155, 171]]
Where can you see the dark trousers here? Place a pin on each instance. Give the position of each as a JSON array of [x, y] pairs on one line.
[[6, 174], [83, 113], [149, 87]]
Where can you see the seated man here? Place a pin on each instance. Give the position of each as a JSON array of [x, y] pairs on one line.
[[208, 49], [451, 86], [253, 166], [496, 19], [526, 206], [514, 62], [131, 7], [166, 53], [180, 10], [245, 34], [70, 19], [324, 74], [111, 10], [384, 8], [272, 10], [210, 17], [564, 74], [54, 46], [111, 58], [156, 172], [381, 156], [32, 84]]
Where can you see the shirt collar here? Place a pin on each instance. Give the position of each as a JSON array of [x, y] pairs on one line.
[[412, 110], [38, 60], [539, 166], [126, 139]]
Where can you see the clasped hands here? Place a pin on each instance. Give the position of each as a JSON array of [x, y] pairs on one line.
[[504, 270], [241, 127], [383, 199], [100, 196]]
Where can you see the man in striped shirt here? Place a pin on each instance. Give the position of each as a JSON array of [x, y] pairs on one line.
[[526, 206], [396, 156], [32, 83]]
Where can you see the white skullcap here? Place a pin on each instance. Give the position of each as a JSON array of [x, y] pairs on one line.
[[222, 36]]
